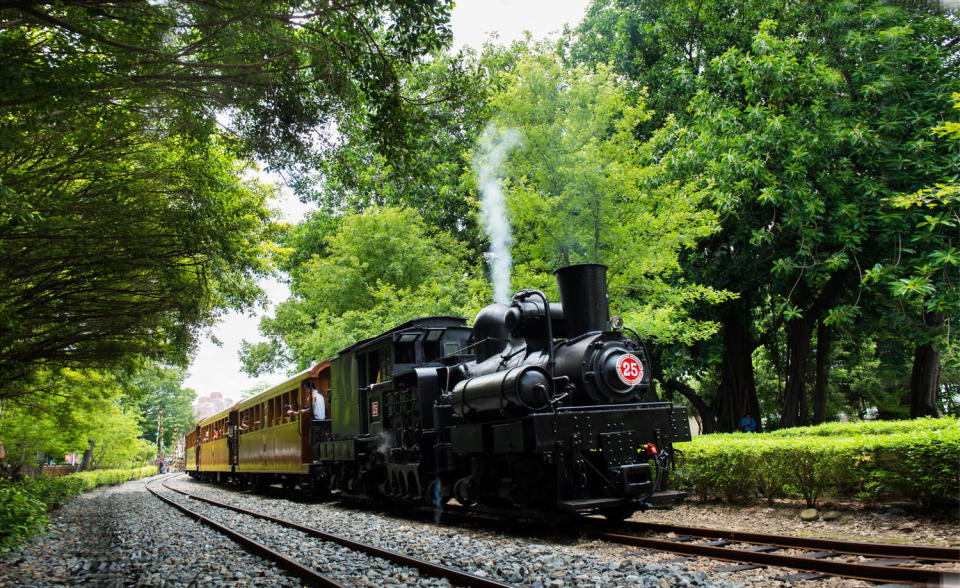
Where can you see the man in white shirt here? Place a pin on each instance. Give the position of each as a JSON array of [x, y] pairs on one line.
[[319, 406]]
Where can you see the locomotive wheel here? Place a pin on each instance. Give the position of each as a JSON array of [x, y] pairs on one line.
[[461, 491], [619, 514]]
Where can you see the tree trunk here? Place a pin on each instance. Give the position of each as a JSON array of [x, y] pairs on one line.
[[87, 456], [799, 332], [708, 414], [737, 394], [925, 375], [794, 395], [824, 350]]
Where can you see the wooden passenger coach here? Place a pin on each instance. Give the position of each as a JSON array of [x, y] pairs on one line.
[[263, 439]]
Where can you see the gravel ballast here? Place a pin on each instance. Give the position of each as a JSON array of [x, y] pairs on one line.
[[124, 536]]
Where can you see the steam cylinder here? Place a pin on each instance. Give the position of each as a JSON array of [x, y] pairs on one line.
[[526, 387], [583, 294]]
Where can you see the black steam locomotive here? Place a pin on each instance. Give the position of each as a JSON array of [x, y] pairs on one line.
[[540, 406]]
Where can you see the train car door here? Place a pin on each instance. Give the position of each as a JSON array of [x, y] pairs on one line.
[[305, 417], [232, 439]]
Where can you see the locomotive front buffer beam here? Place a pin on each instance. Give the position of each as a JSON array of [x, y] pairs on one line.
[[623, 449]]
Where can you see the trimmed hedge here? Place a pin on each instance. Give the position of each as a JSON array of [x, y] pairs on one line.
[[913, 460], [869, 428], [24, 504]]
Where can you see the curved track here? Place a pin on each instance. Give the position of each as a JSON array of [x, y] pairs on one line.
[[456, 577]]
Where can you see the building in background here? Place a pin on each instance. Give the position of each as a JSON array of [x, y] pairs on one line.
[[208, 405]]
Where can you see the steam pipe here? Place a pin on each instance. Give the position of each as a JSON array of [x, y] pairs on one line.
[[546, 310]]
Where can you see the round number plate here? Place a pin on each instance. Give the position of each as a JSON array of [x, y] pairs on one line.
[[629, 369]]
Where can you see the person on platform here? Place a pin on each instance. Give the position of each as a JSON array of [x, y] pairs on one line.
[[747, 424]]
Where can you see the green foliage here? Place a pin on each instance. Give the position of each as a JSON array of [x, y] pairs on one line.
[[870, 428], [21, 514], [911, 460], [74, 409], [798, 121], [127, 223], [24, 504], [576, 192], [448, 111], [381, 268], [156, 387]]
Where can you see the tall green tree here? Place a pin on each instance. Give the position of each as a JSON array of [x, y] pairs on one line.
[[155, 388], [577, 192], [381, 268], [125, 218], [924, 275], [865, 78]]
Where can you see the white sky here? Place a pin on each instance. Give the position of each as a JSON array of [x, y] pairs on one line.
[[217, 368]]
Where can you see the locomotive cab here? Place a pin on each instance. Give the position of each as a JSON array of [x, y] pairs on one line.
[[384, 392]]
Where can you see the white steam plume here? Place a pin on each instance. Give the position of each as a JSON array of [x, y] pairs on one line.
[[493, 148]]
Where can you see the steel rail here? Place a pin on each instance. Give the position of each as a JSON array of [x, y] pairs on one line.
[[456, 577], [309, 575], [920, 552], [873, 573]]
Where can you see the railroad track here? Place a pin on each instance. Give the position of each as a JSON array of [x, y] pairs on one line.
[[888, 563], [309, 575]]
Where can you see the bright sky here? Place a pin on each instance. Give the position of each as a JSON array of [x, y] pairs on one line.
[[217, 368]]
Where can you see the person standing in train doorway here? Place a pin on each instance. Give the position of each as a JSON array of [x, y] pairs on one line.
[[319, 406]]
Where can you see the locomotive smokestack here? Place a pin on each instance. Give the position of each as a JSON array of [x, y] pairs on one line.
[[583, 294]]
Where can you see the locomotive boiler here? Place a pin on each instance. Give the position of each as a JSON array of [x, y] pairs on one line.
[[540, 406]]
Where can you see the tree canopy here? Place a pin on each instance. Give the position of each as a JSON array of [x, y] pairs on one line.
[[799, 120], [381, 268], [127, 221]]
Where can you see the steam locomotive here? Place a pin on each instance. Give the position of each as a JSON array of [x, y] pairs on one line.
[[540, 406]]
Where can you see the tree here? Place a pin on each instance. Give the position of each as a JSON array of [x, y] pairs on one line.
[[923, 275], [577, 192], [278, 69], [156, 387], [125, 220], [381, 268], [120, 246], [451, 110], [73, 411], [797, 135]]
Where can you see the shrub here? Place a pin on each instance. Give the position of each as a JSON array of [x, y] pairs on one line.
[[24, 504], [21, 514], [914, 460], [871, 428]]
